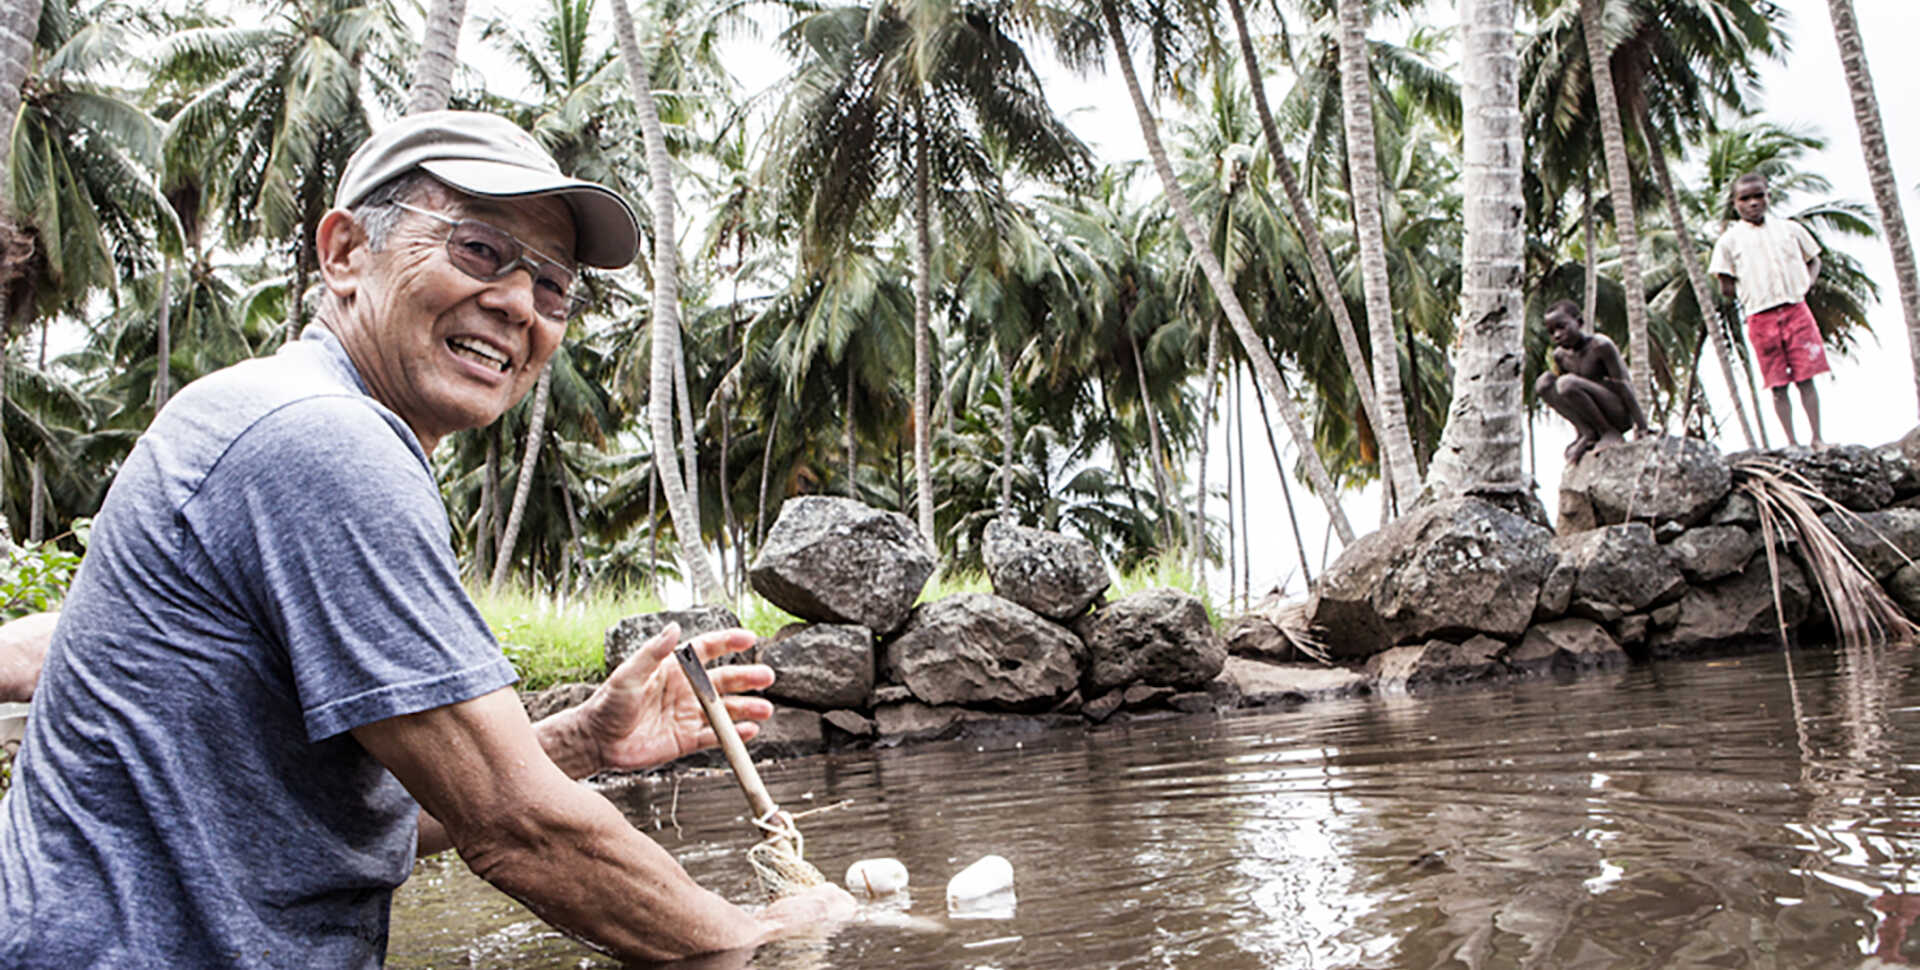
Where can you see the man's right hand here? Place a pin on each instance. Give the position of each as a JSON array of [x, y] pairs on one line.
[[816, 910]]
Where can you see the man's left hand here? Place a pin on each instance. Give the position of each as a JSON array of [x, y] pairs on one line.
[[645, 713]]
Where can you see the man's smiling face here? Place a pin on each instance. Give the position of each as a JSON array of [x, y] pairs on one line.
[[444, 350]]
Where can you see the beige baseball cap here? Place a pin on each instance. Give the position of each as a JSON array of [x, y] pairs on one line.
[[487, 155]]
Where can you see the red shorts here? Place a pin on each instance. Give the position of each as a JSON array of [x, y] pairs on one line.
[[1787, 343]]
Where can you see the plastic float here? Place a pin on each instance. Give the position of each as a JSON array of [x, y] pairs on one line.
[[983, 890], [876, 878]]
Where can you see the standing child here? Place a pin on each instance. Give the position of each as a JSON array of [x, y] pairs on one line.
[[1772, 263]]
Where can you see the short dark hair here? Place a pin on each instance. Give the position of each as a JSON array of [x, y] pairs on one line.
[[1567, 307], [1743, 178]]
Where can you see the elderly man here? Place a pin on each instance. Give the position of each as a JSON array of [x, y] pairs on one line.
[[268, 690]]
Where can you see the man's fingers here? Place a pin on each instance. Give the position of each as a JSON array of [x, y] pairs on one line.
[[722, 642], [737, 679], [644, 661], [743, 709]]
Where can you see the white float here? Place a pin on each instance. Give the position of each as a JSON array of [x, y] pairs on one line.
[[875, 878], [987, 877]]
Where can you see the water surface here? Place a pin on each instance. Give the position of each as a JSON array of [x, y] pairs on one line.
[[1747, 812]]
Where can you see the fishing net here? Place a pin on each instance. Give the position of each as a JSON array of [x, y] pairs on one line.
[[780, 859]]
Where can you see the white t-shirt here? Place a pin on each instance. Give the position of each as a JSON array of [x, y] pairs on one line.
[[1768, 262]]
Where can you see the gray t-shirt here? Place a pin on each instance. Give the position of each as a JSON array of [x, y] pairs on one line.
[[271, 568]]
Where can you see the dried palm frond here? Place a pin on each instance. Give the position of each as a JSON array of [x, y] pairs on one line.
[[1789, 509], [1291, 619]]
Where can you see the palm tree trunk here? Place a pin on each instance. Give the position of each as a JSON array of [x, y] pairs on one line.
[[732, 523], [483, 530], [846, 434], [1363, 166], [1120, 462], [1481, 449], [1318, 259], [1886, 190], [1197, 536], [523, 486], [1590, 296], [1620, 186], [1246, 497], [922, 333], [1233, 523], [1256, 351], [681, 509], [766, 468], [433, 70], [1006, 434], [1154, 453], [19, 21], [36, 506], [163, 372], [1703, 292]]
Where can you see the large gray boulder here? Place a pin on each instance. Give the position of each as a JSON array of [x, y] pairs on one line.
[[1712, 552], [1615, 570], [1881, 541], [1445, 571], [1904, 588], [1156, 636], [1436, 662], [1565, 645], [1057, 576], [835, 560], [1734, 611], [1860, 478], [820, 665], [979, 649], [1255, 684], [626, 636], [1658, 481]]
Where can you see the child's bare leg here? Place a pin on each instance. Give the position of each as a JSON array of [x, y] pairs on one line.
[[1783, 407], [1810, 400]]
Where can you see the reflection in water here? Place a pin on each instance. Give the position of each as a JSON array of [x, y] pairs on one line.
[[1740, 812]]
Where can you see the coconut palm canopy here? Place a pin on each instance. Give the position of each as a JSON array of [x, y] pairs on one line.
[[899, 272]]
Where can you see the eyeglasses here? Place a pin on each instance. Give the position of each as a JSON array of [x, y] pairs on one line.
[[487, 253]]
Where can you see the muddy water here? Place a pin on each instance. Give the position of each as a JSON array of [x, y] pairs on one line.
[[1746, 812]]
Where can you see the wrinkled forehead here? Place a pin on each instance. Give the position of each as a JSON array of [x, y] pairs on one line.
[[542, 222]]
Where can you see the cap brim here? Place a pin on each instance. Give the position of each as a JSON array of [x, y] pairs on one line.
[[606, 234]]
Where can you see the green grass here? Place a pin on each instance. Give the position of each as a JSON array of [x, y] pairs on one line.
[[552, 643]]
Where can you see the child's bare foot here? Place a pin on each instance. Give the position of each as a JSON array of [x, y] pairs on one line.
[[1579, 449]]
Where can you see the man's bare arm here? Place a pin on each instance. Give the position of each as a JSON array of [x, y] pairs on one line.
[[1813, 270], [1726, 285], [521, 824], [23, 651]]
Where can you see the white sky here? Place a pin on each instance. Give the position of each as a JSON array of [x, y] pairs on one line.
[[1870, 397]]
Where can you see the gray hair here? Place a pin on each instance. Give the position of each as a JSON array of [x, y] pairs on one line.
[[377, 214]]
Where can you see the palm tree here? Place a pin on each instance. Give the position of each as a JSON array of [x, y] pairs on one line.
[[1873, 145], [915, 88], [1480, 451], [1593, 22], [1356, 91], [667, 361], [1216, 276], [433, 67]]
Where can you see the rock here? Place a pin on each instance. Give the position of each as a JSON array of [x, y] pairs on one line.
[[1904, 587], [1263, 684], [1735, 610], [1145, 695], [1631, 630], [1225, 692], [1556, 591], [835, 560], [1447, 570], [1657, 480], [976, 648], [1881, 541], [1738, 509], [1057, 576], [1070, 704], [1617, 569], [1565, 645], [1904, 455], [553, 700], [1713, 552], [1155, 636], [1664, 617], [791, 732], [914, 721], [626, 636], [850, 722], [1435, 662], [1102, 707], [891, 694], [1192, 702], [821, 665], [1259, 638], [1856, 476]]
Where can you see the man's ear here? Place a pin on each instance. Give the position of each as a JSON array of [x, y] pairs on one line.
[[341, 246]]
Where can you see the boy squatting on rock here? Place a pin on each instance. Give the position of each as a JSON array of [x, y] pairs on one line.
[[1771, 264], [1588, 385]]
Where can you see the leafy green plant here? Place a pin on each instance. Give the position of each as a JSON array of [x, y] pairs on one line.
[[36, 576]]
